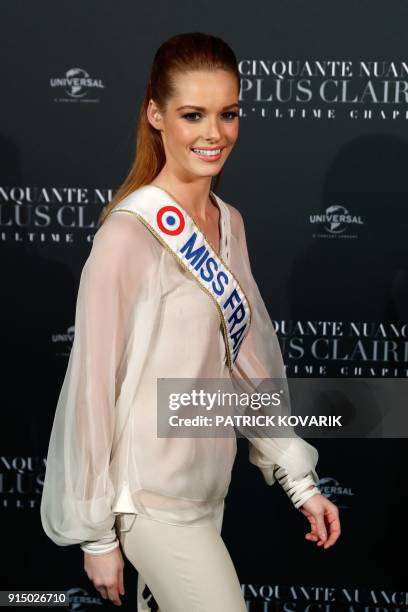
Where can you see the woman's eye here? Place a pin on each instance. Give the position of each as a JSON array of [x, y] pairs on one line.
[[229, 116], [232, 115], [189, 116]]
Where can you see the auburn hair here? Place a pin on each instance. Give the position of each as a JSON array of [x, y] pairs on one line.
[[181, 53]]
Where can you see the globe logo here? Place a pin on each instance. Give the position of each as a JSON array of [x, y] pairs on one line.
[[77, 80], [336, 219], [79, 600], [333, 490], [71, 333], [328, 486], [76, 84]]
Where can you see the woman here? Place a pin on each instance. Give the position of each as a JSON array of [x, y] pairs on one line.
[[145, 310]]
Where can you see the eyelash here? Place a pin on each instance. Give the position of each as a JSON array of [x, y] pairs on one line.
[[233, 113]]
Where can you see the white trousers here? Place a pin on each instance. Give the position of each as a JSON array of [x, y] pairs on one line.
[[182, 567]]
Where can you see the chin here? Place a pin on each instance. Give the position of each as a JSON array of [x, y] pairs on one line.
[[208, 169], [208, 173]]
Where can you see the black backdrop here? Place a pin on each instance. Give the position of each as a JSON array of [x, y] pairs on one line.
[[323, 132]]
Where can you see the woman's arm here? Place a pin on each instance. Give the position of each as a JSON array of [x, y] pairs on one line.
[[291, 461], [118, 285]]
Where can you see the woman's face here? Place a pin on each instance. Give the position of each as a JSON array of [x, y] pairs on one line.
[[200, 124]]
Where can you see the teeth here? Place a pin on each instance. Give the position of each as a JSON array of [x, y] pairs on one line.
[[205, 152]]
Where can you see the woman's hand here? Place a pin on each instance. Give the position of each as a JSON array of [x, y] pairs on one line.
[[323, 515], [106, 573]]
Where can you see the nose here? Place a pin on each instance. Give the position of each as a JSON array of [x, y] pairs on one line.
[[213, 131]]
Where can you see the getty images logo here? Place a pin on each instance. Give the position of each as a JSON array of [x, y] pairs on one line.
[[336, 221], [77, 85]]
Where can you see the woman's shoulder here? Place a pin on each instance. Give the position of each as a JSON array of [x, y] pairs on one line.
[[123, 241], [125, 231], [235, 217], [235, 213]]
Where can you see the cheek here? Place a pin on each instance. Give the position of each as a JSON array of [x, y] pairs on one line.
[[231, 132], [185, 134]]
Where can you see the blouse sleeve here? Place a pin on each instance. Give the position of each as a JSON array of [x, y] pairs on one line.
[[292, 461], [118, 297]]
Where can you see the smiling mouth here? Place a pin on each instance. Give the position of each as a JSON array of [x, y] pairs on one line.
[[207, 153]]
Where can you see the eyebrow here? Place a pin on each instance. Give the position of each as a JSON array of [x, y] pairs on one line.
[[201, 108]]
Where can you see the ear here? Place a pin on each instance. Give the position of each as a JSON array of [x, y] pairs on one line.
[[154, 116]]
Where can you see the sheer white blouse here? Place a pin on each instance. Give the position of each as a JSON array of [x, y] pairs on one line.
[[140, 316]]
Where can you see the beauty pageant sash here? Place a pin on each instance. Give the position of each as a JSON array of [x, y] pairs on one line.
[[167, 220]]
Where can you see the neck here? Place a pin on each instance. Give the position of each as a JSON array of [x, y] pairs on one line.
[[194, 196]]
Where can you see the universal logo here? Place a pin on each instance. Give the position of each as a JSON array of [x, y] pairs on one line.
[[63, 342], [333, 490], [78, 86], [79, 600], [336, 222]]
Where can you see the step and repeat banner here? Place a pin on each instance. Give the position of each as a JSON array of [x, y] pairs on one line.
[[319, 173]]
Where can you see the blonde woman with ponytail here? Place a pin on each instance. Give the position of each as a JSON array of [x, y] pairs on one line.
[[167, 292]]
